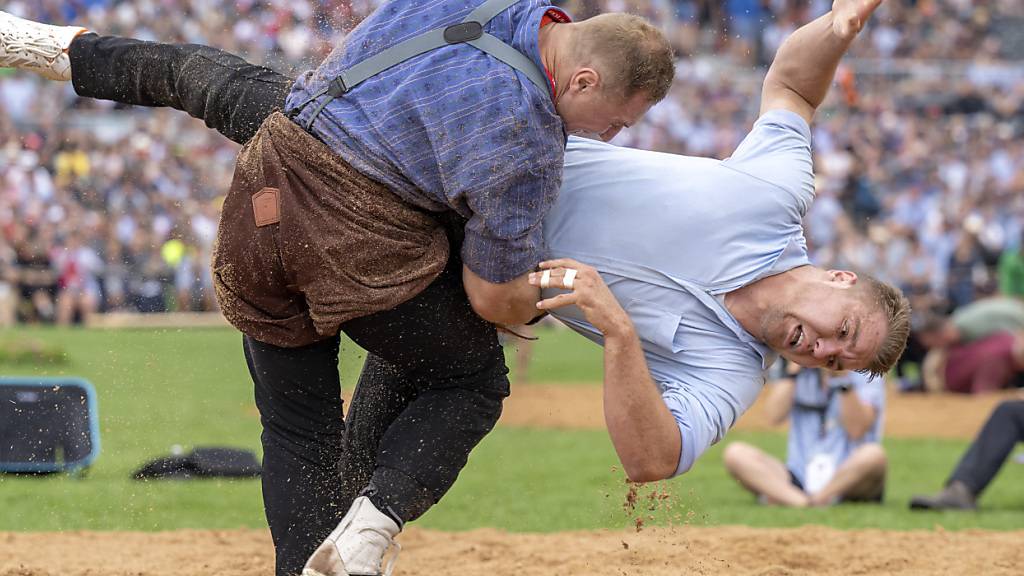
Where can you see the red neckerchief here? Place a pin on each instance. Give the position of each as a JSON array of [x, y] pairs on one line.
[[553, 15]]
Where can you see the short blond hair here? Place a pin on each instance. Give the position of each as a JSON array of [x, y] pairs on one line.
[[633, 53], [891, 302]]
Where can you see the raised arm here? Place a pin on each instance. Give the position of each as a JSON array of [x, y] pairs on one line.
[[805, 64]]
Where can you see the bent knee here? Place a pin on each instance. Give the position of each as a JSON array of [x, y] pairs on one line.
[[738, 453], [873, 456]]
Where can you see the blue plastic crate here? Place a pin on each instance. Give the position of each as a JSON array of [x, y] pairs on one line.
[[47, 424]]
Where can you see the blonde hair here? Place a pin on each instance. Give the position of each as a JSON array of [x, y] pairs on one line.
[[633, 53], [890, 301]]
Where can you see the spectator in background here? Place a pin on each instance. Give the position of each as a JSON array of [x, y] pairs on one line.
[[147, 275], [929, 121], [1011, 271], [834, 451], [975, 322], [115, 272], [982, 461], [179, 261], [35, 276], [78, 288], [915, 271], [71, 164], [743, 24], [964, 265], [857, 197], [977, 349]]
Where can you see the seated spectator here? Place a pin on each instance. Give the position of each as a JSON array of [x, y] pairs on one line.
[[35, 277], [981, 463], [78, 295], [979, 348], [834, 451]]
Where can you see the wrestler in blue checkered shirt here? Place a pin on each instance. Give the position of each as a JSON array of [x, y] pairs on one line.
[[453, 128]]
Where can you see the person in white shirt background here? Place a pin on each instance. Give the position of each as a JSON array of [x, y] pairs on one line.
[[834, 452]]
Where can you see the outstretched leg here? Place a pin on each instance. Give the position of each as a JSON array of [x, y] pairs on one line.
[[231, 95]]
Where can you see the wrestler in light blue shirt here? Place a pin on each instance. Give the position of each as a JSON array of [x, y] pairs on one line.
[[671, 235]]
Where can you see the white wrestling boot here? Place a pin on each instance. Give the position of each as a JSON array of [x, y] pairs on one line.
[[40, 48], [357, 546]]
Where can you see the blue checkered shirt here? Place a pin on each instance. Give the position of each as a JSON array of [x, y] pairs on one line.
[[451, 129]]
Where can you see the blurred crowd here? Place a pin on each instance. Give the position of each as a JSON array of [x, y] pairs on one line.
[[919, 152]]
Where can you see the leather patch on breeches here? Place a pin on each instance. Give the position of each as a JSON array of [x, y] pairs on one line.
[[266, 206]]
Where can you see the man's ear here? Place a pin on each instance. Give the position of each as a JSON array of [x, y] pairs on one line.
[[585, 80], [845, 276]]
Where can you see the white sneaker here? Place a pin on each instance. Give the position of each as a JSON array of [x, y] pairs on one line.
[[357, 546], [40, 48]]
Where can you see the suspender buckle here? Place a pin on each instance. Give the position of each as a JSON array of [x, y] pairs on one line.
[[463, 32], [337, 87]]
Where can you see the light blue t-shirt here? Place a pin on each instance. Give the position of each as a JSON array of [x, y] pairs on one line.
[[670, 235], [814, 420]]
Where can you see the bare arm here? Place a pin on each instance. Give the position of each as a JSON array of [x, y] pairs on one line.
[[855, 415], [507, 304], [643, 431], [779, 400], [805, 64]]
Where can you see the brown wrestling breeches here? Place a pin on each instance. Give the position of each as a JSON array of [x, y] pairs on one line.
[[307, 243]]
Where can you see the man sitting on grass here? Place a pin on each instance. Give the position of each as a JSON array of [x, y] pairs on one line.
[[834, 450]]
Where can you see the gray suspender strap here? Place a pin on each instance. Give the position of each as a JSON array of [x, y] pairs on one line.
[[514, 58], [469, 31]]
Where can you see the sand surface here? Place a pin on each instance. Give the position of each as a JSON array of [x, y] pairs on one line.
[[808, 550], [653, 552], [906, 415]]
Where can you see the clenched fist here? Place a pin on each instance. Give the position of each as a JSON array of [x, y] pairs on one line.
[[849, 16]]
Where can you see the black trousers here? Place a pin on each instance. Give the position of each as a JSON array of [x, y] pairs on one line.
[[1001, 432], [434, 381]]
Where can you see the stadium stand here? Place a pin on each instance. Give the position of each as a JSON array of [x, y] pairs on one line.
[[919, 154]]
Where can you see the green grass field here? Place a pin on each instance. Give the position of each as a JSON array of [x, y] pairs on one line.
[[190, 387]]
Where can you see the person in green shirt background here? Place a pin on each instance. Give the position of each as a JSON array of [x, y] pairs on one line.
[[1011, 271]]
